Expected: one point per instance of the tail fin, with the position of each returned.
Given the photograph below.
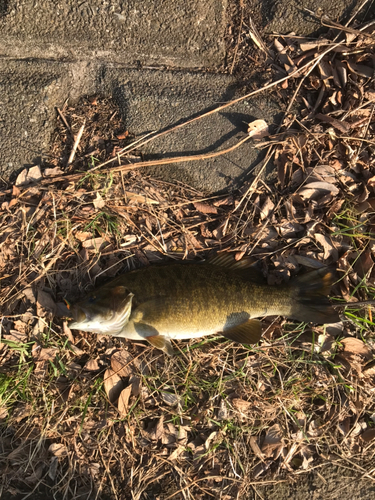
(311, 303)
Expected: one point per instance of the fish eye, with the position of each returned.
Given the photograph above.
(92, 299)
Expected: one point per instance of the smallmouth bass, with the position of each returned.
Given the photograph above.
(189, 300)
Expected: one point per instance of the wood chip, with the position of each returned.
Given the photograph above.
(258, 129)
(205, 208)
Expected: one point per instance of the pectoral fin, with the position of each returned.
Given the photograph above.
(246, 333)
(161, 342)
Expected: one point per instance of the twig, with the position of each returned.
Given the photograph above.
(64, 119)
(76, 142)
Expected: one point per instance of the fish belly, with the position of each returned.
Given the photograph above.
(139, 331)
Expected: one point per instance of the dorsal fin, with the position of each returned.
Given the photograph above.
(245, 267)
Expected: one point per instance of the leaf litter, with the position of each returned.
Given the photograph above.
(100, 414)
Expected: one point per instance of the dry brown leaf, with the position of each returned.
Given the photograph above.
(361, 69)
(3, 413)
(136, 385)
(41, 368)
(58, 450)
(44, 354)
(177, 452)
(258, 129)
(158, 431)
(122, 135)
(170, 398)
(355, 347)
(123, 401)
(329, 249)
(266, 208)
(99, 202)
(205, 208)
(113, 385)
(17, 337)
(368, 435)
(241, 405)
(51, 172)
(82, 235)
(122, 363)
(45, 303)
(95, 243)
(317, 189)
(68, 332)
(272, 444)
(254, 446)
(364, 264)
(92, 365)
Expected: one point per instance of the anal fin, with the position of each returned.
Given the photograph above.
(161, 342)
(246, 333)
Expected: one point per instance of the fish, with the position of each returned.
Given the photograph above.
(181, 300)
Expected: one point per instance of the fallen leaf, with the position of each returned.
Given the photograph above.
(258, 129)
(113, 385)
(95, 243)
(58, 450)
(99, 202)
(170, 398)
(341, 126)
(241, 405)
(67, 331)
(254, 446)
(136, 385)
(122, 135)
(313, 190)
(41, 368)
(361, 69)
(205, 208)
(122, 363)
(52, 172)
(266, 208)
(368, 435)
(92, 365)
(17, 337)
(326, 242)
(364, 263)
(45, 303)
(272, 443)
(44, 354)
(123, 401)
(355, 347)
(158, 431)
